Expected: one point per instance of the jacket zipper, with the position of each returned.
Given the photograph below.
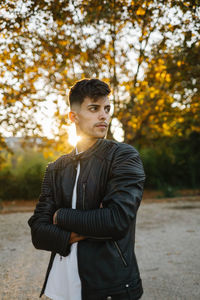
(120, 254)
(84, 186)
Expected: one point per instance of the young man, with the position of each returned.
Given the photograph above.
(86, 213)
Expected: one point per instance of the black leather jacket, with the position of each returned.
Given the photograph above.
(111, 175)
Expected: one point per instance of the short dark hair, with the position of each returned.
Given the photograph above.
(92, 88)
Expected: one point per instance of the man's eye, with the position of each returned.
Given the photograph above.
(93, 108)
(107, 109)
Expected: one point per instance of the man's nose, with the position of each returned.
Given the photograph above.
(102, 115)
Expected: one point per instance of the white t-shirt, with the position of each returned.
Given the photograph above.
(64, 281)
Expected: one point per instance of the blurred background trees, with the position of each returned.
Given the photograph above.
(148, 51)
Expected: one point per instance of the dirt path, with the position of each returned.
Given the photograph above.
(167, 248)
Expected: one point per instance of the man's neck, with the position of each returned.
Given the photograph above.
(85, 143)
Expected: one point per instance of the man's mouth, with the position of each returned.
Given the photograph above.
(102, 125)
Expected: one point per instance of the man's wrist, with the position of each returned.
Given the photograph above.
(55, 218)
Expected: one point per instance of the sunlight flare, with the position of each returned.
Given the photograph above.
(73, 138)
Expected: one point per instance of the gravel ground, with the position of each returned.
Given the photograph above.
(167, 248)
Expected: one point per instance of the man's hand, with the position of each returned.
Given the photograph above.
(54, 218)
(75, 237)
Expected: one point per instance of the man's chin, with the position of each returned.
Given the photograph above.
(99, 136)
(95, 136)
(102, 135)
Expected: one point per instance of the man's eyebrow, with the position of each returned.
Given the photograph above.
(94, 104)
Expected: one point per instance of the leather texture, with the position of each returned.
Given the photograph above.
(111, 177)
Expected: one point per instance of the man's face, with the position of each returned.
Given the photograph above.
(92, 117)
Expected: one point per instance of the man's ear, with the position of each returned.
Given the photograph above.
(73, 116)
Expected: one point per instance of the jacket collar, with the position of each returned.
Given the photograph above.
(74, 156)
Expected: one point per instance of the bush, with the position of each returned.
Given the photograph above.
(173, 163)
(22, 176)
(169, 164)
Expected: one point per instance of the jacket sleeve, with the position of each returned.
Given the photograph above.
(120, 203)
(46, 235)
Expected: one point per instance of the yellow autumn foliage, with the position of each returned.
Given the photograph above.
(141, 11)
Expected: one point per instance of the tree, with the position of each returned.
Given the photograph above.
(47, 45)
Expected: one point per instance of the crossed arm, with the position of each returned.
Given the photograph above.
(74, 237)
(55, 230)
